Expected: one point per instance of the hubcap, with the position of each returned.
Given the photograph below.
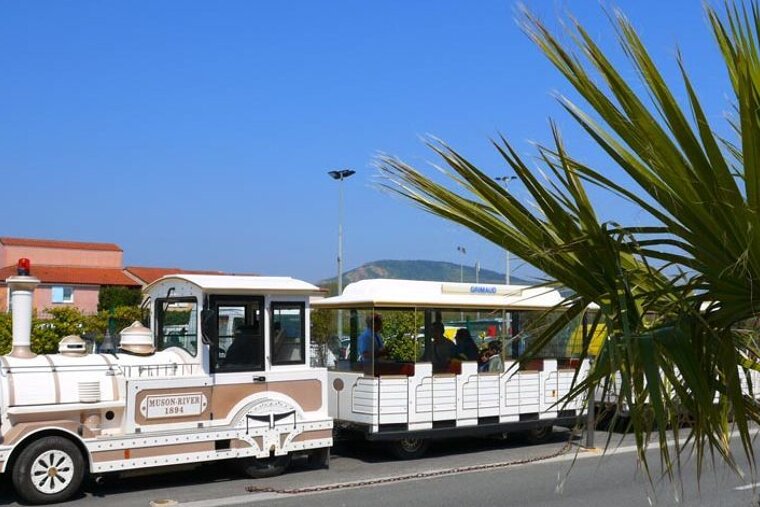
(410, 444)
(52, 471)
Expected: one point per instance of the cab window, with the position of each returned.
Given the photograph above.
(239, 340)
(288, 342)
(177, 324)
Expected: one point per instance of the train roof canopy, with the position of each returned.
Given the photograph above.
(239, 284)
(382, 293)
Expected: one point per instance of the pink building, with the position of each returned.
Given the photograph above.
(71, 272)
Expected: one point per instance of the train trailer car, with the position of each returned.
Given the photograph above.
(405, 387)
(223, 374)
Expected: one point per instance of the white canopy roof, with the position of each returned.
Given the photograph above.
(381, 293)
(240, 283)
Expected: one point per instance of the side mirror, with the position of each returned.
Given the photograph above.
(208, 325)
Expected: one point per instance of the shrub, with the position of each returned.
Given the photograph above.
(403, 348)
(63, 321)
(6, 333)
(112, 297)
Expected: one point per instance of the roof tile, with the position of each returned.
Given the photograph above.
(74, 275)
(51, 243)
(151, 274)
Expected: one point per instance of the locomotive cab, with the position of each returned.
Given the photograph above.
(223, 372)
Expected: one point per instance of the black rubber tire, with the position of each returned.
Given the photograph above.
(37, 453)
(409, 448)
(261, 468)
(320, 458)
(539, 435)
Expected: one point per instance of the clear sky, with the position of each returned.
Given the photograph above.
(199, 134)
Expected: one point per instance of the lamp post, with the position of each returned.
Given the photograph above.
(340, 176)
(505, 181)
(463, 251)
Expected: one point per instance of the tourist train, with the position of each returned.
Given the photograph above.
(225, 373)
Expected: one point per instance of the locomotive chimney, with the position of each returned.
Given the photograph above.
(21, 288)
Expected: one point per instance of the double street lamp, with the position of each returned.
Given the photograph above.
(340, 176)
(461, 250)
(504, 180)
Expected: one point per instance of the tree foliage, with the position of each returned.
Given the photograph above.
(702, 193)
(322, 322)
(110, 297)
(400, 329)
(67, 320)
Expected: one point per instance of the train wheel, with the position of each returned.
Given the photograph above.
(410, 448)
(539, 435)
(49, 470)
(261, 468)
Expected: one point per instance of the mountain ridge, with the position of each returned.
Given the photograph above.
(437, 271)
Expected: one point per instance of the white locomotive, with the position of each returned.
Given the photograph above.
(224, 374)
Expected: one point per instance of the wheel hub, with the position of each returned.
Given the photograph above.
(52, 472)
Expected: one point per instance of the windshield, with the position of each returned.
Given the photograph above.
(177, 324)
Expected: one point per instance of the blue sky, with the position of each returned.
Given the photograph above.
(199, 134)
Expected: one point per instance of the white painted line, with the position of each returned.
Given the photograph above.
(747, 486)
(235, 500)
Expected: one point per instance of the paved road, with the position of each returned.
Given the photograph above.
(593, 480)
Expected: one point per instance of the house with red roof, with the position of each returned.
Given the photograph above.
(72, 272)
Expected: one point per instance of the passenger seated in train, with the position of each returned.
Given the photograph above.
(443, 348)
(466, 350)
(243, 349)
(494, 362)
(372, 334)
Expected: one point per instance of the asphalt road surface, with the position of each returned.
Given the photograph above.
(463, 472)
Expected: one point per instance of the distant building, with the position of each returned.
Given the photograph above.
(71, 272)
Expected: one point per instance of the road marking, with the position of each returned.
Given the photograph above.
(747, 486)
(235, 500)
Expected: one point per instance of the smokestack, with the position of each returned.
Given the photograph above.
(22, 292)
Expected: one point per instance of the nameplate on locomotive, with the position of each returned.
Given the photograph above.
(173, 405)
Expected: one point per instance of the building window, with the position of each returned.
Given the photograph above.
(63, 295)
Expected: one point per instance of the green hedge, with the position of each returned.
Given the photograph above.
(63, 321)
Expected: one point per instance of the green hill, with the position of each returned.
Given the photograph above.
(420, 270)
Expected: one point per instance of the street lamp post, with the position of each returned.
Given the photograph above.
(505, 181)
(463, 251)
(340, 176)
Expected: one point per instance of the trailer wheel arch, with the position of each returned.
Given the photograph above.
(48, 432)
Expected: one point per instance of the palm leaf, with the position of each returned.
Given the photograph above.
(702, 193)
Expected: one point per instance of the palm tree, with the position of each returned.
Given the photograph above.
(702, 193)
